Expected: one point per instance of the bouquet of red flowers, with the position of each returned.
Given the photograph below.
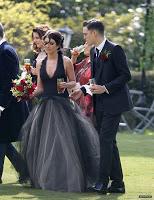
(23, 88)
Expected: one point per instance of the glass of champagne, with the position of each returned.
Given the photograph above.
(80, 48)
(92, 81)
(60, 90)
(27, 64)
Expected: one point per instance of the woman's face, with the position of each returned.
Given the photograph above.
(50, 45)
(37, 40)
(87, 49)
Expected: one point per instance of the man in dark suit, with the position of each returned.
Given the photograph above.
(111, 98)
(14, 113)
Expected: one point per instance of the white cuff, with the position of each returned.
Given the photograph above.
(1, 108)
(87, 89)
(106, 90)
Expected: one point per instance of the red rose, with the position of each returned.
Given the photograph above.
(20, 88)
(23, 82)
(30, 90)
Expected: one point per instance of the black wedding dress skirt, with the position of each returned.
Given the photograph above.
(60, 146)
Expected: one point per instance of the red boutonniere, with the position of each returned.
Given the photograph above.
(105, 55)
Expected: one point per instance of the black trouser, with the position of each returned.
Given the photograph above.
(110, 165)
(7, 149)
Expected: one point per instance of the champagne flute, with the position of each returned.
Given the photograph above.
(92, 81)
(60, 90)
(80, 48)
(27, 64)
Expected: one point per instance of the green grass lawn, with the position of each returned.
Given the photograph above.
(137, 155)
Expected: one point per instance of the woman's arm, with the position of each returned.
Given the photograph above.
(69, 73)
(39, 88)
(74, 56)
(38, 62)
(35, 71)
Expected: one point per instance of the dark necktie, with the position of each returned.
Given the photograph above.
(96, 55)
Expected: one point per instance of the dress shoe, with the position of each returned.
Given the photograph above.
(100, 188)
(117, 188)
(0, 181)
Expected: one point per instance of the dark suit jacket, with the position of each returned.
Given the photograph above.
(114, 74)
(15, 112)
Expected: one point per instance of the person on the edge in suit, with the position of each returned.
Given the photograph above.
(15, 113)
(111, 98)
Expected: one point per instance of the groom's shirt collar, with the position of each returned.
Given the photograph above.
(2, 41)
(101, 45)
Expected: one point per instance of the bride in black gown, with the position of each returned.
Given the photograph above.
(60, 146)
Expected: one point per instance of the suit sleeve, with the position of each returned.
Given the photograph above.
(123, 73)
(12, 63)
(10, 71)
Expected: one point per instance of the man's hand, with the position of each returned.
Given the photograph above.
(76, 94)
(98, 89)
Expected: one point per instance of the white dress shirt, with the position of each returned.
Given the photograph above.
(101, 45)
(2, 41)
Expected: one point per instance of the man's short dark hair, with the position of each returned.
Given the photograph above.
(86, 22)
(97, 25)
(1, 31)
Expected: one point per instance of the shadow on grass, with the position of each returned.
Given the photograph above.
(18, 192)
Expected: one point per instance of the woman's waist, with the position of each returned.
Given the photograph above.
(47, 94)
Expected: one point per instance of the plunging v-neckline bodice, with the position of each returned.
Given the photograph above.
(50, 83)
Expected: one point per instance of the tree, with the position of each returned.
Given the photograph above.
(87, 9)
(149, 41)
(19, 19)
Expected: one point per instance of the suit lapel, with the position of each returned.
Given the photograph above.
(101, 62)
(92, 54)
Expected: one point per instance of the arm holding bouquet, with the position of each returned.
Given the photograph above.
(39, 87)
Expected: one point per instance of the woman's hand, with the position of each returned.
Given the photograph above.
(62, 85)
(75, 52)
(27, 69)
(69, 85)
(77, 94)
(34, 71)
(74, 55)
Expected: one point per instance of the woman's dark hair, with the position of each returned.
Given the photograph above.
(41, 31)
(95, 24)
(56, 36)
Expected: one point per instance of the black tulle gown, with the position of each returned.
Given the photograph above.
(60, 146)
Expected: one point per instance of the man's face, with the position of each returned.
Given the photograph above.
(88, 36)
(85, 32)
